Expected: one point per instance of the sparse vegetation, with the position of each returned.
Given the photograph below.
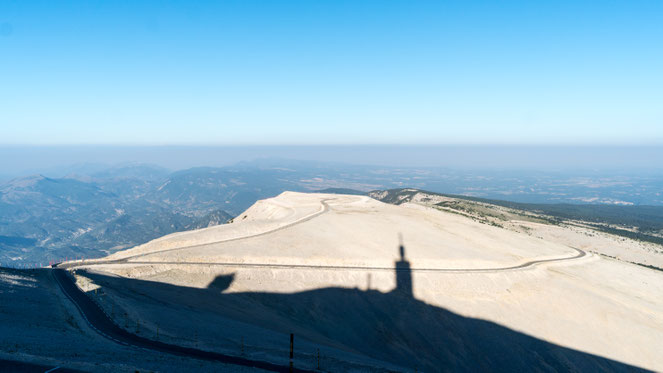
(640, 223)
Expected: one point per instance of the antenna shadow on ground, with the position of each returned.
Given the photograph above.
(390, 326)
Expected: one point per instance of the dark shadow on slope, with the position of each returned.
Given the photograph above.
(221, 283)
(392, 326)
(15, 366)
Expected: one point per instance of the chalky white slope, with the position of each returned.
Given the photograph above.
(296, 242)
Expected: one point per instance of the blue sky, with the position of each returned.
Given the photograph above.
(331, 72)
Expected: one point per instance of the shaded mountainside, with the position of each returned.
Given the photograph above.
(391, 326)
(41, 330)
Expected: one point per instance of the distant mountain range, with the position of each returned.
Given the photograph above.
(95, 210)
(44, 219)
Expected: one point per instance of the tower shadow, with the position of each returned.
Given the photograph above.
(394, 327)
(403, 272)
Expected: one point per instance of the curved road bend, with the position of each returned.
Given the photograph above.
(531, 263)
(325, 208)
(100, 322)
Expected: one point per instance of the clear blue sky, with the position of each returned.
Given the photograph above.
(331, 72)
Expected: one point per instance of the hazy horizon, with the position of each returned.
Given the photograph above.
(23, 160)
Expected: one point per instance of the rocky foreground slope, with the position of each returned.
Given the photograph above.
(377, 286)
(40, 330)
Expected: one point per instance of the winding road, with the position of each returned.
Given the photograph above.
(324, 208)
(104, 325)
(579, 254)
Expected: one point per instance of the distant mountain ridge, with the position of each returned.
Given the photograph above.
(45, 219)
(96, 209)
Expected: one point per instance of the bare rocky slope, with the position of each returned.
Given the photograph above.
(377, 286)
(612, 231)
